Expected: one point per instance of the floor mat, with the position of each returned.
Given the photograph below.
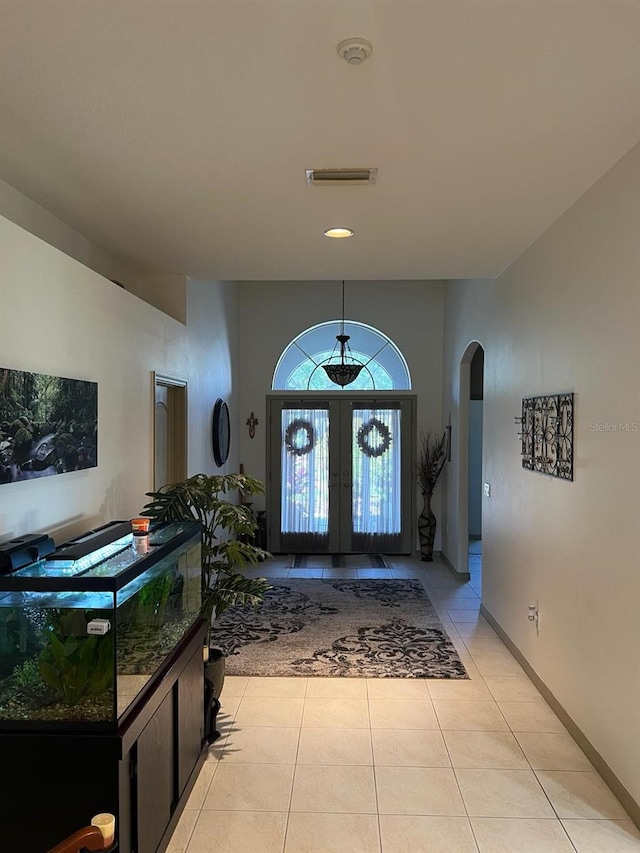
(338, 561)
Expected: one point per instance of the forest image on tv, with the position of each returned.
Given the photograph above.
(48, 425)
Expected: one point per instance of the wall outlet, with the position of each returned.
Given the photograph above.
(534, 616)
(487, 490)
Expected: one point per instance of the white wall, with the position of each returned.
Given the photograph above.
(566, 317)
(24, 212)
(60, 318)
(214, 368)
(163, 290)
(273, 313)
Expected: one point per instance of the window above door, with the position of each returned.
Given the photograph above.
(299, 366)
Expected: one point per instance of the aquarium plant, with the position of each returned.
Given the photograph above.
(74, 664)
(27, 678)
(152, 600)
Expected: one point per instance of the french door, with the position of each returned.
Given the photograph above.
(341, 474)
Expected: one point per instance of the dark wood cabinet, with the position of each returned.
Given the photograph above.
(143, 772)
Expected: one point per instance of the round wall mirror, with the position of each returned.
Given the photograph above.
(221, 430)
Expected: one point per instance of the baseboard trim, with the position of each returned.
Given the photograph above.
(461, 576)
(625, 798)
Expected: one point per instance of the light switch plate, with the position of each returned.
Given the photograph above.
(487, 490)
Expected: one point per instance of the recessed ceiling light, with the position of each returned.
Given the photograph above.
(338, 233)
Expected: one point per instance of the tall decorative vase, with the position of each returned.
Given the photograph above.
(427, 529)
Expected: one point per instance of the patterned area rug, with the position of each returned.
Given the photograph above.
(333, 627)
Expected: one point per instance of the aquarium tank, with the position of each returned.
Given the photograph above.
(83, 630)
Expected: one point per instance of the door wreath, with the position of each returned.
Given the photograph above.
(291, 433)
(384, 435)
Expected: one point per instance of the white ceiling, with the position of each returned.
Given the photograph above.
(176, 133)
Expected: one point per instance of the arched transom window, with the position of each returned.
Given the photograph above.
(300, 365)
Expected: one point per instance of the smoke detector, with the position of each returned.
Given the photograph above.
(355, 51)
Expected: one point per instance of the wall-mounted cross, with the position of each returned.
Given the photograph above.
(252, 423)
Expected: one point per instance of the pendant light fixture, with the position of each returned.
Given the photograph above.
(345, 369)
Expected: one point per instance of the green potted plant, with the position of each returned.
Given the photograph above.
(227, 533)
(433, 455)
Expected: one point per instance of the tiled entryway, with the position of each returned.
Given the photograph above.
(322, 765)
(475, 566)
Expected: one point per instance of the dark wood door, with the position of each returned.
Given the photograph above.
(190, 718)
(155, 777)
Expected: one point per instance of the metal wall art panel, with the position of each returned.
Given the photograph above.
(547, 435)
(48, 425)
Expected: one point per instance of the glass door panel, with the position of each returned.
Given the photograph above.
(304, 477)
(376, 485)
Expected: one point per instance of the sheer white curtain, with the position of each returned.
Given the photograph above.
(305, 479)
(376, 485)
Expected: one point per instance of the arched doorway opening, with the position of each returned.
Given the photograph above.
(470, 480)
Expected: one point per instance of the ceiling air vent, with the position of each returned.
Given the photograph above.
(340, 177)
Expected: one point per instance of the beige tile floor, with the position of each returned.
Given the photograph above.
(410, 766)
